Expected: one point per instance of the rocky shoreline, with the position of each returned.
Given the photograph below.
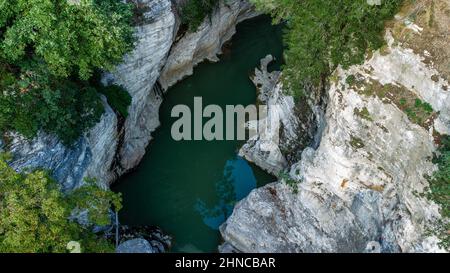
(354, 156)
(358, 191)
(160, 59)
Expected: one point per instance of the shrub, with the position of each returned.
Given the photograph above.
(118, 98)
(34, 214)
(324, 34)
(193, 12)
(36, 100)
(439, 191)
(288, 180)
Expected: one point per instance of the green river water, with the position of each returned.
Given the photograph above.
(188, 188)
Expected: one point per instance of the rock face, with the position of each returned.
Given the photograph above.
(135, 246)
(91, 156)
(143, 239)
(114, 146)
(278, 129)
(192, 48)
(357, 192)
(138, 74)
(104, 153)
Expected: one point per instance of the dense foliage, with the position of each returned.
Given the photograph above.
(323, 34)
(91, 196)
(117, 97)
(70, 36)
(439, 191)
(48, 51)
(34, 99)
(34, 213)
(193, 12)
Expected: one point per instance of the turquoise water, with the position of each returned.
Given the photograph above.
(189, 188)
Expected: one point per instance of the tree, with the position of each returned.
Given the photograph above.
(48, 51)
(36, 100)
(193, 12)
(34, 214)
(70, 36)
(439, 192)
(324, 34)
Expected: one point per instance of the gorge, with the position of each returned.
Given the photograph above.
(353, 157)
(188, 188)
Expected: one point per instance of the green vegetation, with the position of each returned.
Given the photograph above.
(193, 12)
(288, 180)
(118, 98)
(69, 37)
(356, 142)
(48, 52)
(418, 111)
(324, 34)
(35, 100)
(92, 196)
(363, 113)
(439, 191)
(351, 79)
(34, 213)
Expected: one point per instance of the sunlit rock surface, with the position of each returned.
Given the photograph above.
(279, 127)
(138, 74)
(90, 156)
(206, 42)
(357, 192)
(114, 146)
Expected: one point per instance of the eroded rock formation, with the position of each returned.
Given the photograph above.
(115, 146)
(357, 192)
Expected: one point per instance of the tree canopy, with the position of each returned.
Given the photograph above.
(70, 36)
(194, 12)
(34, 213)
(322, 34)
(49, 49)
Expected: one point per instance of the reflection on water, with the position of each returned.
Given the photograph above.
(237, 182)
(182, 186)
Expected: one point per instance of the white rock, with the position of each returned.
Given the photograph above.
(354, 196)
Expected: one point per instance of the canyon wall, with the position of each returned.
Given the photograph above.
(354, 190)
(116, 145)
(359, 191)
(191, 48)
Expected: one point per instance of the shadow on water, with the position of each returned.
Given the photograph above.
(237, 182)
(189, 188)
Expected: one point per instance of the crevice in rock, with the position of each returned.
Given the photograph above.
(116, 168)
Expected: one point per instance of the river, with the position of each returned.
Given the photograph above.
(188, 188)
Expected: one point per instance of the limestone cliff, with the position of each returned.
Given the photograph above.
(138, 74)
(278, 129)
(191, 48)
(115, 146)
(90, 156)
(357, 192)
